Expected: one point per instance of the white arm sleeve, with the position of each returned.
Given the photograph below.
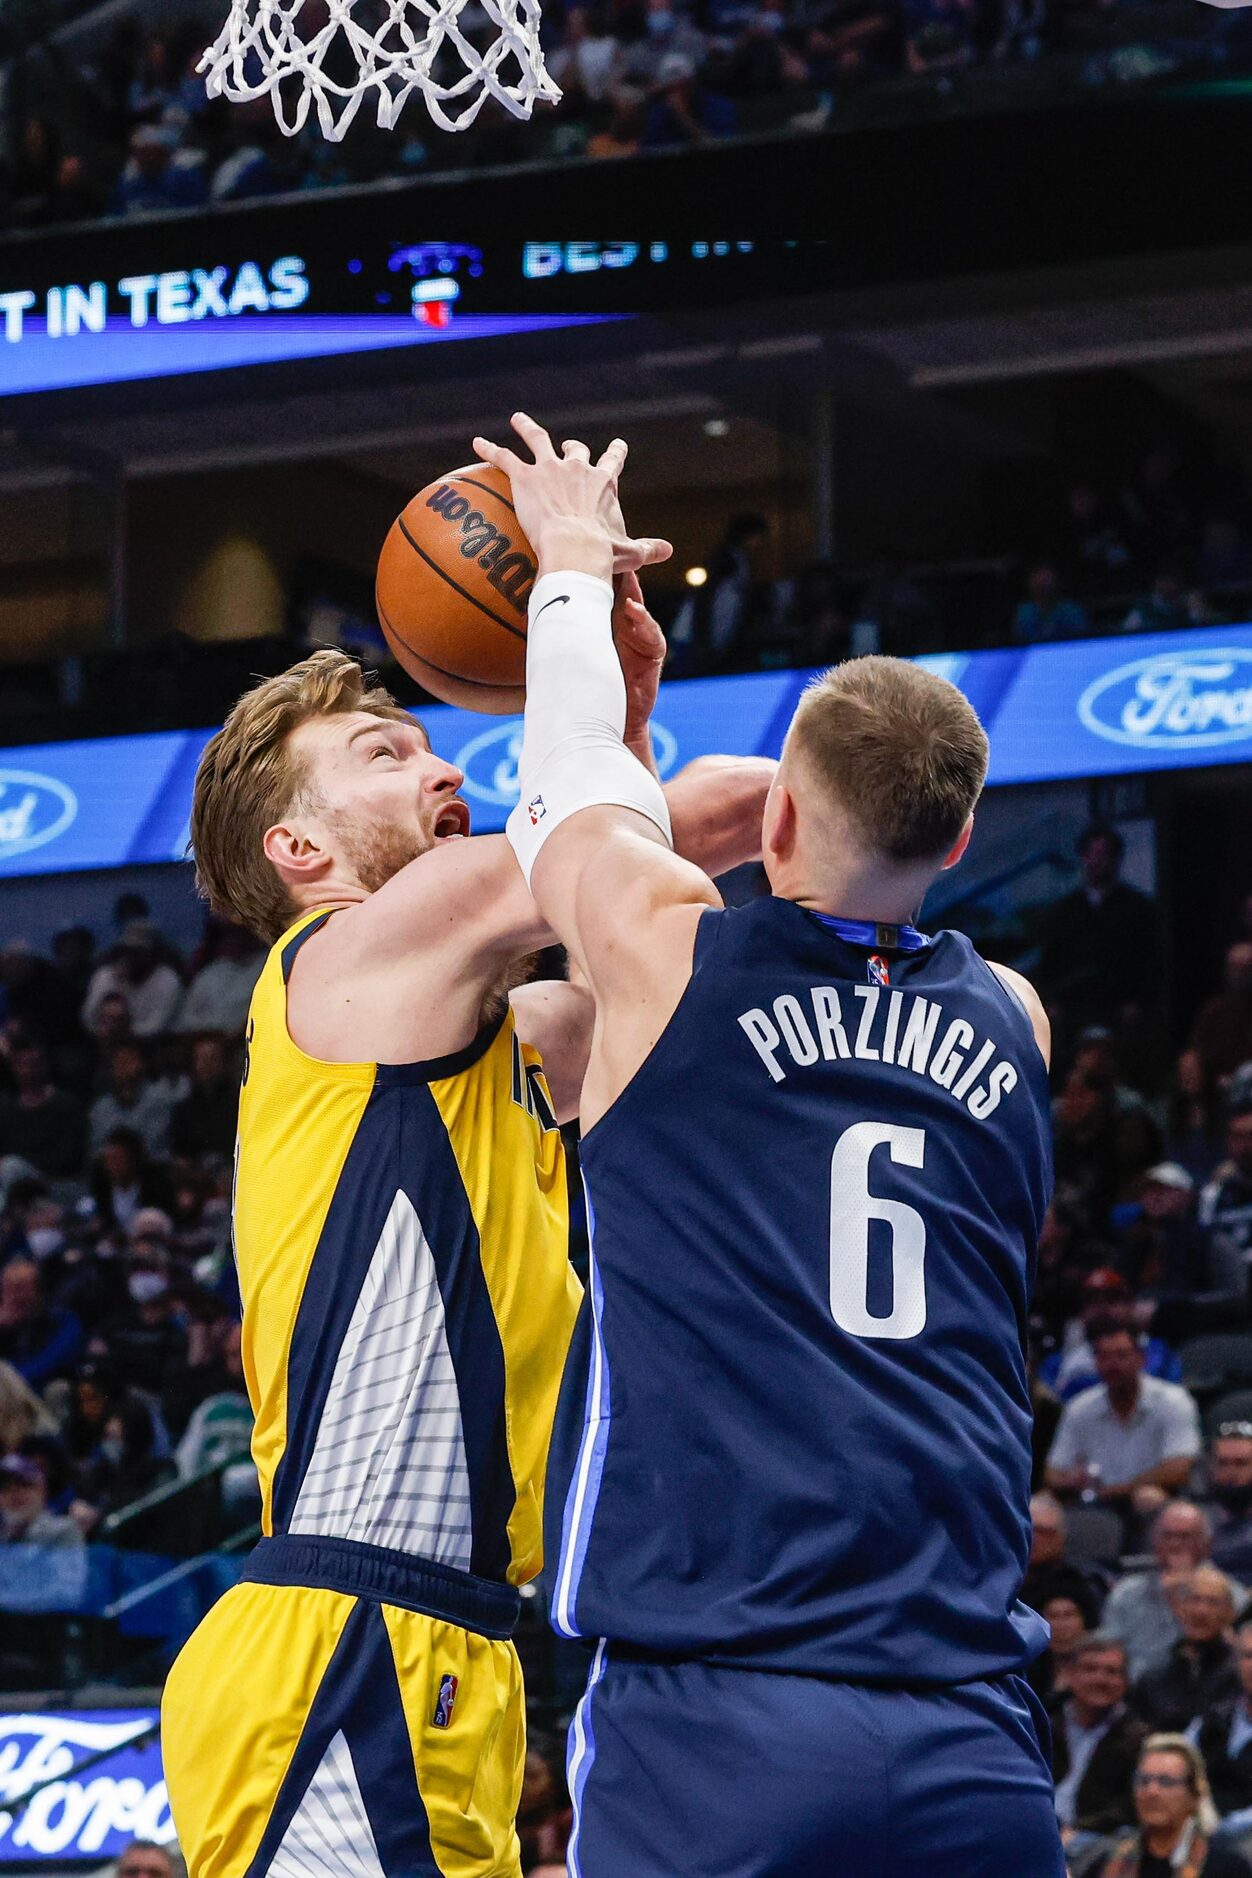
(573, 756)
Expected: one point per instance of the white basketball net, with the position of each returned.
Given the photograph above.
(396, 45)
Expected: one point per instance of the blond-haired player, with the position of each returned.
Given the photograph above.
(354, 1706)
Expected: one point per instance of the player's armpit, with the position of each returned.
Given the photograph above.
(557, 1020)
(1033, 1003)
(716, 807)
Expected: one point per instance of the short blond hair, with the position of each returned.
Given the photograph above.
(899, 750)
(249, 778)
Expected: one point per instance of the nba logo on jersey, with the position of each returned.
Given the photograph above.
(443, 1707)
(878, 968)
(536, 809)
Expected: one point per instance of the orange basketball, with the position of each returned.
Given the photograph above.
(454, 577)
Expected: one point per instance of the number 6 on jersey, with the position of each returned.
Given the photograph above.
(852, 1207)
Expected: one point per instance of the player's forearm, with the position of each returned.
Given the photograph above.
(573, 757)
(716, 805)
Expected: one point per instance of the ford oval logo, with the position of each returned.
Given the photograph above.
(490, 761)
(34, 809)
(1174, 701)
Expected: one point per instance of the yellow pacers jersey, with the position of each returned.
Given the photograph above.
(401, 1233)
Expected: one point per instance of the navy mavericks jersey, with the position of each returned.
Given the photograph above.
(794, 1429)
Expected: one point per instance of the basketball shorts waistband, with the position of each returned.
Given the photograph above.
(382, 1576)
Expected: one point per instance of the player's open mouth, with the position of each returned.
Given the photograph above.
(452, 821)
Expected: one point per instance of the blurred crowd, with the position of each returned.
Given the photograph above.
(120, 1362)
(126, 128)
(1163, 546)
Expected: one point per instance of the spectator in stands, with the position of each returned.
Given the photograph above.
(1228, 1501)
(1195, 1118)
(1095, 1740)
(124, 1466)
(73, 953)
(1069, 1621)
(1105, 1298)
(144, 1859)
(22, 1414)
(147, 1340)
(124, 1180)
(707, 626)
(543, 1820)
(1224, 1738)
(1221, 1036)
(1192, 1280)
(111, 1023)
(1100, 550)
(39, 1122)
(1068, 1254)
(42, 1343)
(618, 127)
(160, 175)
(151, 987)
(1045, 613)
(206, 1119)
(221, 989)
(1226, 1203)
(683, 109)
(1164, 608)
(31, 178)
(667, 32)
(1132, 1432)
(32, 995)
(1198, 1670)
(132, 1102)
(939, 35)
(220, 1428)
(587, 64)
(1175, 1820)
(1142, 1607)
(24, 1515)
(1049, 1573)
(1099, 956)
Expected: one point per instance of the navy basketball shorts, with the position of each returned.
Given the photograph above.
(685, 1770)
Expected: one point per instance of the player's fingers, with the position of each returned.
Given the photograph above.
(613, 462)
(644, 552)
(535, 435)
(572, 448)
(498, 456)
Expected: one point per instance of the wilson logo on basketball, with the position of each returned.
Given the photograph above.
(508, 569)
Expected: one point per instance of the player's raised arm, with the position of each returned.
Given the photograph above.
(592, 830)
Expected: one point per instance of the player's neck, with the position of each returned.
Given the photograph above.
(855, 893)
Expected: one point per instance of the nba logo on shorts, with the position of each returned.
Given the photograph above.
(536, 809)
(878, 968)
(443, 1707)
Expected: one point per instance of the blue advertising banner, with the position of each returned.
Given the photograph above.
(100, 1784)
(1095, 707)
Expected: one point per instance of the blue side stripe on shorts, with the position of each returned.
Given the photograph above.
(584, 1487)
(582, 1753)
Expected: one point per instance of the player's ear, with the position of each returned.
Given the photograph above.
(960, 844)
(294, 852)
(778, 828)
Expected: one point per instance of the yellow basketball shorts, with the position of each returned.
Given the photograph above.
(314, 1731)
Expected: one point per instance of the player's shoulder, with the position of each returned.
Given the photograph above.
(1028, 1001)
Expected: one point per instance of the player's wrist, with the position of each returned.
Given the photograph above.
(568, 547)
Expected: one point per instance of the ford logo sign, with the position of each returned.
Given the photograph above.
(489, 761)
(92, 1784)
(1174, 701)
(33, 809)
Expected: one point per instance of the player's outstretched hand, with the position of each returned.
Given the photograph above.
(568, 506)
